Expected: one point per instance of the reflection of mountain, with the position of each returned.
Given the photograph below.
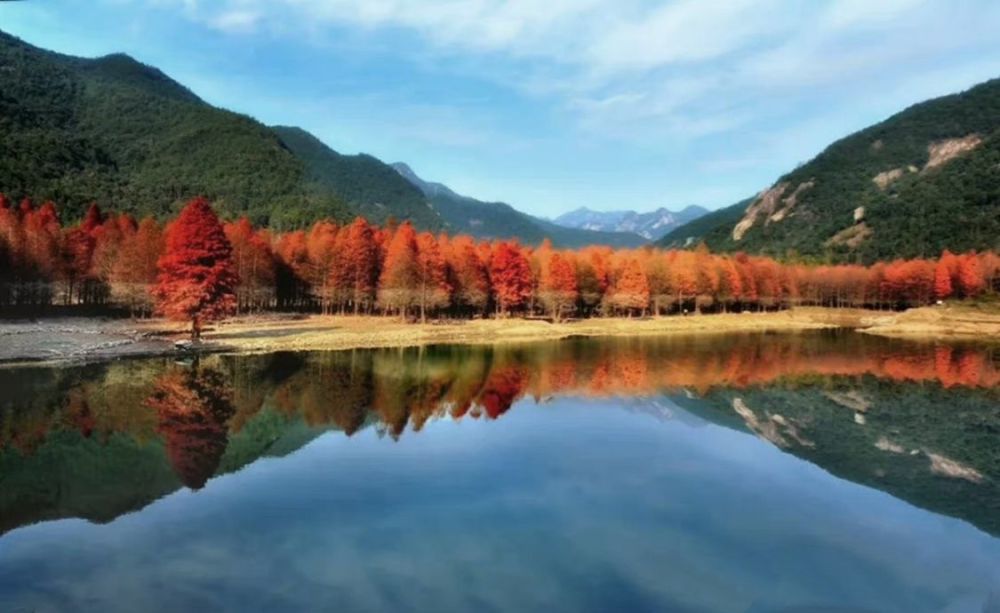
(96, 441)
(933, 447)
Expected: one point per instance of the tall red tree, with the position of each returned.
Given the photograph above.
(357, 274)
(254, 264)
(631, 291)
(558, 287)
(292, 270)
(401, 275)
(433, 290)
(510, 273)
(321, 245)
(136, 268)
(943, 273)
(970, 275)
(468, 275)
(197, 280)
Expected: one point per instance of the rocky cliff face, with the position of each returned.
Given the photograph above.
(923, 180)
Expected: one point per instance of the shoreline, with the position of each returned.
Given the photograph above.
(81, 339)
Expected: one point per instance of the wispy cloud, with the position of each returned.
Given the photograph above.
(618, 64)
(236, 20)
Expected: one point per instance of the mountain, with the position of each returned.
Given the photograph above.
(124, 134)
(652, 225)
(705, 228)
(365, 183)
(925, 179)
(894, 449)
(488, 220)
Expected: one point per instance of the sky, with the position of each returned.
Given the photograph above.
(551, 105)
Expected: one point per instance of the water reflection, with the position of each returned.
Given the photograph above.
(917, 421)
(193, 407)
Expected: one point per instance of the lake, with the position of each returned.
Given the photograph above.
(827, 471)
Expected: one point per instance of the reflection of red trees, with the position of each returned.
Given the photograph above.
(503, 386)
(78, 414)
(404, 390)
(193, 407)
(636, 370)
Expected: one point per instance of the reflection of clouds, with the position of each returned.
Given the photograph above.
(614, 512)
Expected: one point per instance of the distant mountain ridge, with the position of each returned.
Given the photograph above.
(498, 220)
(652, 225)
(923, 180)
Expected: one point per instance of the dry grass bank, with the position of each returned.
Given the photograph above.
(948, 321)
(336, 332)
(93, 338)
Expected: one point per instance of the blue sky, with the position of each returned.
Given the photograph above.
(552, 104)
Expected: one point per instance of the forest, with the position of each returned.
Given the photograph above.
(198, 267)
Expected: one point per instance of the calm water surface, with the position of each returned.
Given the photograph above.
(764, 473)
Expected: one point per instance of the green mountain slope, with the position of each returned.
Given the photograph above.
(121, 133)
(488, 220)
(367, 184)
(925, 179)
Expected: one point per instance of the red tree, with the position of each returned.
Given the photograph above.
(321, 246)
(358, 271)
(510, 274)
(197, 281)
(684, 276)
(970, 276)
(631, 292)
(254, 263)
(468, 275)
(136, 268)
(730, 283)
(292, 270)
(942, 276)
(558, 287)
(433, 290)
(400, 276)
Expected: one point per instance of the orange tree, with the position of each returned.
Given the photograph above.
(197, 280)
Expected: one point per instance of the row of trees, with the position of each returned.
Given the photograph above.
(197, 269)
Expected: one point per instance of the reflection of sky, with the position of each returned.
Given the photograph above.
(563, 506)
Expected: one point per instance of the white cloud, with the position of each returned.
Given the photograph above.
(647, 69)
(236, 21)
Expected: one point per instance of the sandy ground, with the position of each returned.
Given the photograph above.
(68, 338)
(940, 322)
(88, 338)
